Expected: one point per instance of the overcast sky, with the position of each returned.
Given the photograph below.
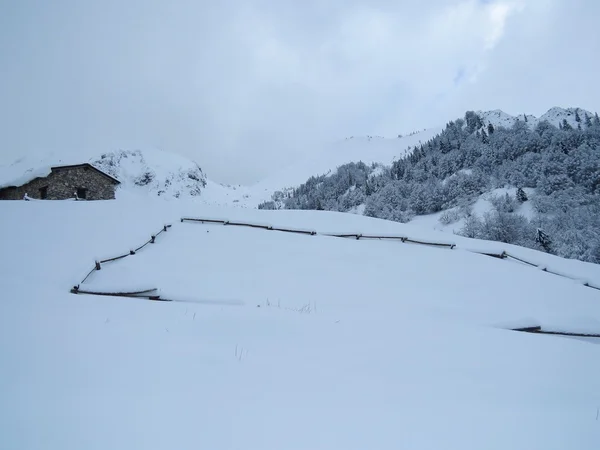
(246, 86)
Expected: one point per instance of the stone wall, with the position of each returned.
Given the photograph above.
(63, 183)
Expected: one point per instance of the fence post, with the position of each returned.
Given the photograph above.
(98, 267)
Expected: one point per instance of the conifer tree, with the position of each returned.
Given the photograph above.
(484, 137)
(543, 239)
(490, 128)
(521, 195)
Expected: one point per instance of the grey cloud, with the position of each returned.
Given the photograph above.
(248, 86)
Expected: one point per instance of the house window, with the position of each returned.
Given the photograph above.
(44, 192)
(82, 193)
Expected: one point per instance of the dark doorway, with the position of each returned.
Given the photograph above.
(44, 192)
(82, 193)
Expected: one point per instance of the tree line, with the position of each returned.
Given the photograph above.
(560, 166)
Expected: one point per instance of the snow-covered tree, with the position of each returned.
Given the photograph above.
(543, 239)
(521, 195)
(561, 166)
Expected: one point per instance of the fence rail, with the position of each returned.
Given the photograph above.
(193, 219)
(433, 244)
(98, 264)
(147, 296)
(404, 239)
(520, 260)
(538, 330)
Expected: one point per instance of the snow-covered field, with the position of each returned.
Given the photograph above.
(284, 341)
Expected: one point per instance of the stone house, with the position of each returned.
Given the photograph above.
(80, 181)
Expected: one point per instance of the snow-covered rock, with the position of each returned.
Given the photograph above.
(155, 172)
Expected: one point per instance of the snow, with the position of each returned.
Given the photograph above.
(37, 164)
(173, 175)
(479, 207)
(355, 149)
(156, 172)
(369, 150)
(153, 172)
(360, 209)
(14, 176)
(554, 116)
(282, 340)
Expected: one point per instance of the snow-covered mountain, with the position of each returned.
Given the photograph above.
(164, 174)
(368, 149)
(168, 175)
(154, 172)
(554, 116)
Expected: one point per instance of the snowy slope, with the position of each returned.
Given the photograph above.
(366, 149)
(159, 173)
(481, 206)
(286, 341)
(554, 116)
(382, 150)
(25, 169)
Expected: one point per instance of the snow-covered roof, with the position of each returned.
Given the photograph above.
(10, 178)
(25, 170)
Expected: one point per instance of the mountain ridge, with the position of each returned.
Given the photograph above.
(166, 174)
(555, 116)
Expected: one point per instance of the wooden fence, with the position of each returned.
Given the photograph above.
(403, 239)
(538, 330)
(151, 293)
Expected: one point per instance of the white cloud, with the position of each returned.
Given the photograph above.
(498, 15)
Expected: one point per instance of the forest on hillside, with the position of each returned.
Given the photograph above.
(449, 172)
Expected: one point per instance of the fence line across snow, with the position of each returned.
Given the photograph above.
(98, 264)
(403, 239)
(357, 236)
